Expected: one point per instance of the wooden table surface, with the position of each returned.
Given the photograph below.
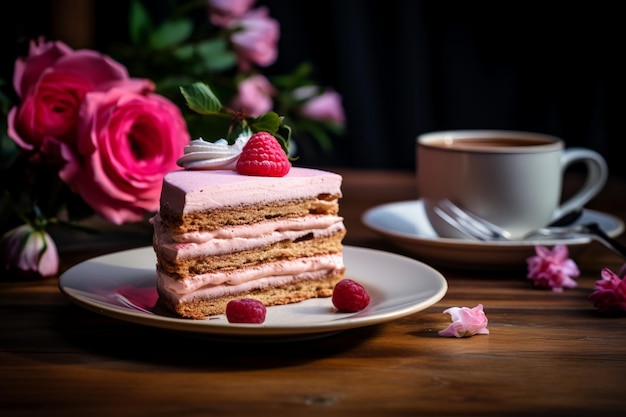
(547, 354)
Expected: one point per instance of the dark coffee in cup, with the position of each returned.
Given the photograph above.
(480, 143)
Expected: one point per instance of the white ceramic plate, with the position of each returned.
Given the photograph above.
(406, 224)
(123, 285)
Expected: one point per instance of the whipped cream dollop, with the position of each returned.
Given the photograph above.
(200, 154)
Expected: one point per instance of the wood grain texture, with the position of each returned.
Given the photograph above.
(547, 354)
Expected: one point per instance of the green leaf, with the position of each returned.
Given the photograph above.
(268, 122)
(200, 98)
(215, 55)
(170, 33)
(301, 76)
(208, 47)
(273, 123)
(139, 22)
(322, 138)
(170, 85)
(184, 53)
(284, 136)
(234, 130)
(317, 132)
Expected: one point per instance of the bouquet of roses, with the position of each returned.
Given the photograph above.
(84, 128)
(85, 137)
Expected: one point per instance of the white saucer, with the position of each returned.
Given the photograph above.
(122, 285)
(406, 224)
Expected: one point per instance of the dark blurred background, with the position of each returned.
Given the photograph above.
(405, 67)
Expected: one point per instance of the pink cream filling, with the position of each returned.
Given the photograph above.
(239, 238)
(214, 285)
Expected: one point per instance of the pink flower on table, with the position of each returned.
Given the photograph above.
(223, 12)
(255, 38)
(128, 139)
(466, 322)
(52, 82)
(30, 251)
(609, 294)
(254, 96)
(552, 268)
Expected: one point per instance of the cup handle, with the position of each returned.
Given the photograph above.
(597, 174)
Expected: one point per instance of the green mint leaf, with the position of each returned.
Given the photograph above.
(201, 99)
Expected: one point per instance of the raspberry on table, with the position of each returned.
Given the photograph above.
(349, 296)
(263, 156)
(245, 310)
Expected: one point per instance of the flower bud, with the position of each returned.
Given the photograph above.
(29, 251)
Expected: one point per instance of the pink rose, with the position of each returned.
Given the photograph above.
(52, 82)
(254, 96)
(128, 138)
(466, 322)
(223, 12)
(325, 107)
(609, 294)
(255, 39)
(29, 251)
(552, 268)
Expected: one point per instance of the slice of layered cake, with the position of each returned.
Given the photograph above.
(220, 235)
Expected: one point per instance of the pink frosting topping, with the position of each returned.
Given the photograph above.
(187, 191)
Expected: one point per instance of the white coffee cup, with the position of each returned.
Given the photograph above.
(512, 179)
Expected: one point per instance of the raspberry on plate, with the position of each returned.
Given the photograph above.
(349, 296)
(263, 156)
(245, 310)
